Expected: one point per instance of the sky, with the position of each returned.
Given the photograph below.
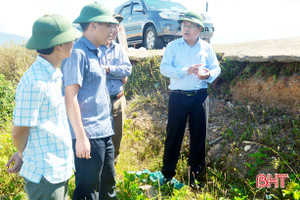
(234, 20)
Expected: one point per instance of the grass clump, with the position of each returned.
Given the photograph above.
(15, 60)
(7, 92)
(12, 186)
(146, 78)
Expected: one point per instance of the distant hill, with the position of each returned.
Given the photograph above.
(6, 38)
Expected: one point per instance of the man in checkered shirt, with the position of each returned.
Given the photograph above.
(41, 133)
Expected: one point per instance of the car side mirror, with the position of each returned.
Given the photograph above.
(139, 9)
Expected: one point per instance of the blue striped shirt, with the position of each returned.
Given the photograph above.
(40, 106)
(178, 56)
(119, 66)
(84, 68)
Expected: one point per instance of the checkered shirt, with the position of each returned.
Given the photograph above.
(40, 106)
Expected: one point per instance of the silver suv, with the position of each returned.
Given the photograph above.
(153, 23)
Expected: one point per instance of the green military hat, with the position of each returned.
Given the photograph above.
(49, 31)
(192, 17)
(96, 12)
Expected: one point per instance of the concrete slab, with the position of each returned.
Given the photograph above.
(279, 50)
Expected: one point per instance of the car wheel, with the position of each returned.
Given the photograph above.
(151, 40)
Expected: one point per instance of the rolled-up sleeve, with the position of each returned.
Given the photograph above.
(121, 69)
(73, 68)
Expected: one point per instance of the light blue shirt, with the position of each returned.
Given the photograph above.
(119, 65)
(179, 56)
(84, 68)
(41, 106)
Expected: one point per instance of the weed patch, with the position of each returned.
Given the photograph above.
(15, 60)
(7, 93)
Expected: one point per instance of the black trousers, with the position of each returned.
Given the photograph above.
(95, 177)
(183, 108)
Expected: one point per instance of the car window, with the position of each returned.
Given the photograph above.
(126, 11)
(164, 5)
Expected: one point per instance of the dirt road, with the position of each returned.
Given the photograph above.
(279, 50)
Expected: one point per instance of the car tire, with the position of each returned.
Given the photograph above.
(151, 40)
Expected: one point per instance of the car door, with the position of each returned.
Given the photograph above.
(136, 20)
(126, 13)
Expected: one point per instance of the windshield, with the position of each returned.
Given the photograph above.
(164, 5)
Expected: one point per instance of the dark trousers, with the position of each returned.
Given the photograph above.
(183, 108)
(97, 174)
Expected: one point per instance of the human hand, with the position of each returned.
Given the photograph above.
(193, 69)
(17, 163)
(203, 74)
(124, 80)
(83, 148)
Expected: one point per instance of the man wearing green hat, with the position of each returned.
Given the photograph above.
(88, 106)
(41, 133)
(191, 64)
(113, 56)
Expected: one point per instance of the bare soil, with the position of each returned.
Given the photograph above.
(283, 93)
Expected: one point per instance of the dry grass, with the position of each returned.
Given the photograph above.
(15, 60)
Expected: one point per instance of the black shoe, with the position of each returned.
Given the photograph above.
(166, 180)
(169, 181)
(196, 177)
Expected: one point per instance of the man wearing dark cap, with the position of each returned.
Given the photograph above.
(113, 57)
(191, 64)
(88, 106)
(41, 133)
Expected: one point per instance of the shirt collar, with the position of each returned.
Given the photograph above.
(88, 43)
(112, 45)
(53, 73)
(183, 41)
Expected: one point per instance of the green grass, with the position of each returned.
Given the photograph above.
(11, 185)
(7, 92)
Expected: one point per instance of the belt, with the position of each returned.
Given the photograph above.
(189, 93)
(114, 97)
